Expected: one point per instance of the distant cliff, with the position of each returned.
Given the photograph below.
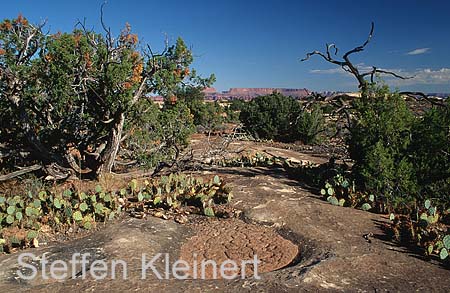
(250, 93)
(212, 94)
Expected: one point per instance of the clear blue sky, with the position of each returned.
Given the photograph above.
(248, 43)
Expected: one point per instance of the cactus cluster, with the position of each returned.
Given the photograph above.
(177, 190)
(59, 210)
(70, 208)
(253, 160)
(262, 160)
(341, 191)
(424, 229)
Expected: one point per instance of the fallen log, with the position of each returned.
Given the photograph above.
(20, 172)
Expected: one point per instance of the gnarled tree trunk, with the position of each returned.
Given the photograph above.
(112, 146)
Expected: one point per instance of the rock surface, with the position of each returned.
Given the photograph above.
(334, 255)
(237, 241)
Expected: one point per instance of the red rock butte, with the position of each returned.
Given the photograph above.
(250, 93)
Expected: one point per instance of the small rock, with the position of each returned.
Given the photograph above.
(161, 215)
(181, 219)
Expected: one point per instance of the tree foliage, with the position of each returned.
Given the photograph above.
(66, 97)
(157, 135)
(207, 116)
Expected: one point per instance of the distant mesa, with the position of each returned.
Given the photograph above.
(209, 90)
(250, 93)
(211, 94)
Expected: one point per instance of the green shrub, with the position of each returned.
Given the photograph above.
(403, 158)
(281, 118)
(207, 116)
(310, 124)
(379, 143)
(270, 117)
(430, 149)
(233, 110)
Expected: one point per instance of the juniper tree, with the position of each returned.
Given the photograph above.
(65, 97)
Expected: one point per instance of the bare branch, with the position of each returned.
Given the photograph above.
(360, 48)
(329, 46)
(74, 165)
(349, 67)
(108, 121)
(308, 55)
(20, 172)
(376, 70)
(394, 74)
(105, 28)
(56, 172)
(132, 162)
(415, 95)
(140, 91)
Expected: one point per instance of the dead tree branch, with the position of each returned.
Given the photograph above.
(348, 66)
(417, 95)
(22, 171)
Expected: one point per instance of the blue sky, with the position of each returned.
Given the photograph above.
(259, 43)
